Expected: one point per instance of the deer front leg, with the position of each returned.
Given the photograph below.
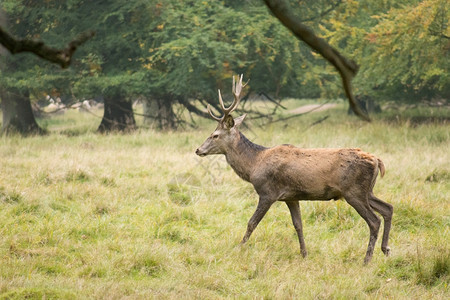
(294, 208)
(263, 207)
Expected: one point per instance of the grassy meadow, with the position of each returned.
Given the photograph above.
(140, 216)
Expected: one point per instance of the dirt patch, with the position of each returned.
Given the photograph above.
(312, 108)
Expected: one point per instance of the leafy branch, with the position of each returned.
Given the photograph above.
(324, 13)
(63, 57)
(346, 68)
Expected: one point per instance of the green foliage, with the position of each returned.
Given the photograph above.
(182, 51)
(105, 65)
(175, 50)
(192, 49)
(402, 47)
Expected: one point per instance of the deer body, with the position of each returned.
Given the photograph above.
(287, 173)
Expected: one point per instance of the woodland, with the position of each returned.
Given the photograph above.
(171, 53)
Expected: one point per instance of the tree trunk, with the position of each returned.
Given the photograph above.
(367, 104)
(166, 115)
(150, 109)
(16, 107)
(17, 114)
(159, 112)
(118, 115)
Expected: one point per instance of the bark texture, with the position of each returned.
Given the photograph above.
(159, 113)
(63, 57)
(17, 114)
(118, 115)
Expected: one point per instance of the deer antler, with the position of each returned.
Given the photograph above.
(236, 89)
(218, 119)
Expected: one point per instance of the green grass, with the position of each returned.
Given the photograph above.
(140, 216)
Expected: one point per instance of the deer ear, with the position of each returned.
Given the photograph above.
(228, 122)
(238, 121)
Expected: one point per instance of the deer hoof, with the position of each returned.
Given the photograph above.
(386, 251)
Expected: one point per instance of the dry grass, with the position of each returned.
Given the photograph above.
(140, 216)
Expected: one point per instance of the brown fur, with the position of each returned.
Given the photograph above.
(310, 174)
(287, 173)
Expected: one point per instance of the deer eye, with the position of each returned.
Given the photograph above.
(215, 136)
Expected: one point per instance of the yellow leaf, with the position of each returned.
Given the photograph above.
(196, 22)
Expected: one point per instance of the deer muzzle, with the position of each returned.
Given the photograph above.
(200, 152)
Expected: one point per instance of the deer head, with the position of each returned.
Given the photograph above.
(227, 131)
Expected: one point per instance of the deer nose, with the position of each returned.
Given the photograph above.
(199, 153)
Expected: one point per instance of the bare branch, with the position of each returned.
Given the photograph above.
(346, 68)
(62, 57)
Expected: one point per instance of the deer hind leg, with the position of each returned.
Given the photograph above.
(294, 208)
(385, 210)
(361, 204)
(261, 210)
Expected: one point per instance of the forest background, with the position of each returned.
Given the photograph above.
(167, 53)
(135, 214)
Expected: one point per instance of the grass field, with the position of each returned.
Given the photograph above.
(140, 216)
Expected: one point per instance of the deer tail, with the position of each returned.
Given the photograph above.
(381, 167)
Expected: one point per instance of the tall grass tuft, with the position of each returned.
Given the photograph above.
(436, 270)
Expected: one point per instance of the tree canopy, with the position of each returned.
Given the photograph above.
(403, 47)
(180, 51)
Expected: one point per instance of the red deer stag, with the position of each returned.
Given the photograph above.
(287, 173)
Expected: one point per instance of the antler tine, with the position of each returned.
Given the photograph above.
(229, 109)
(221, 101)
(212, 115)
(237, 88)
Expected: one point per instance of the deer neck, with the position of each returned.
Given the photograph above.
(243, 155)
